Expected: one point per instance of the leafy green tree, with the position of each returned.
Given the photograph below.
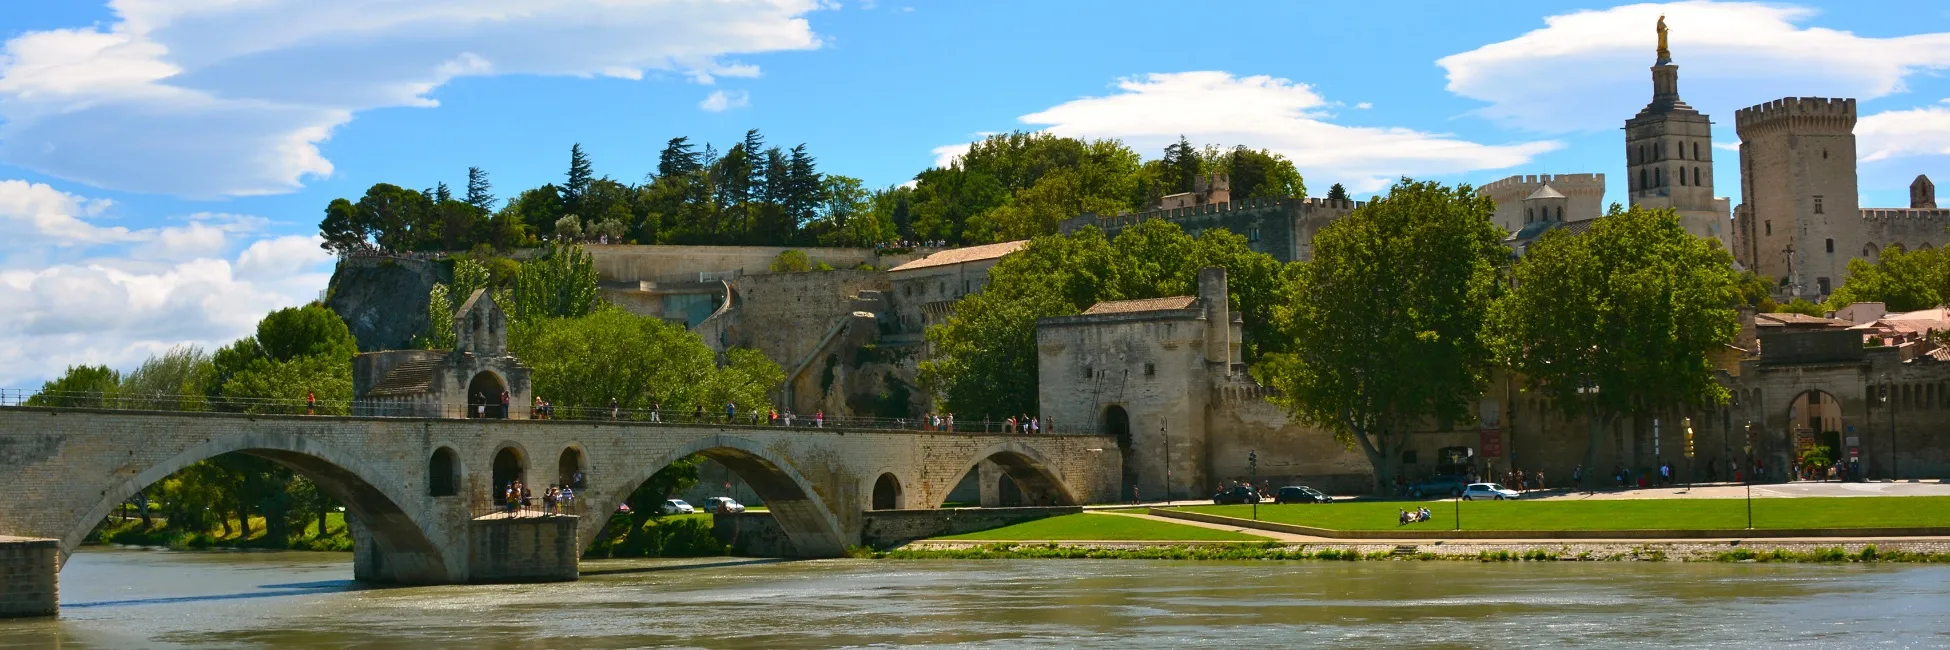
(1754, 291)
(1801, 306)
(678, 158)
(1387, 320)
(311, 330)
(1901, 281)
(80, 387)
(1180, 166)
(1619, 320)
(1262, 174)
(173, 380)
(1019, 185)
(848, 216)
(344, 228)
(558, 283)
(1337, 193)
(792, 261)
(587, 361)
(537, 209)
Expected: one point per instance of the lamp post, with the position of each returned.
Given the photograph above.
(1163, 438)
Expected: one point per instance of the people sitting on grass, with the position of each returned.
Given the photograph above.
(1418, 516)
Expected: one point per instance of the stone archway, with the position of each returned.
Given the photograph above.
(1815, 424)
(510, 465)
(1027, 471)
(391, 545)
(484, 396)
(887, 492)
(1117, 422)
(811, 526)
(572, 469)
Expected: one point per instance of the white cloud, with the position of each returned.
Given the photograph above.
(1921, 131)
(229, 97)
(947, 154)
(720, 101)
(1152, 111)
(1576, 72)
(75, 292)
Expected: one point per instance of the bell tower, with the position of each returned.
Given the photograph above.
(1669, 154)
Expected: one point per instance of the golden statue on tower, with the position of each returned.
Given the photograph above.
(1665, 56)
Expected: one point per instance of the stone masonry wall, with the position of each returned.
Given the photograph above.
(28, 586)
(524, 549)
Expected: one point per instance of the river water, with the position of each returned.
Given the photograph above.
(114, 598)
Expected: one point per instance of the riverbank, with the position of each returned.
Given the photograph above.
(131, 532)
(1933, 551)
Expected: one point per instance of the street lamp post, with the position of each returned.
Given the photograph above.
(1166, 440)
(1895, 461)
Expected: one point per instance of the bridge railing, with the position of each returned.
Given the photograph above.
(151, 402)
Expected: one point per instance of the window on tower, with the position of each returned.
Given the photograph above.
(1682, 151)
(1658, 177)
(1696, 180)
(1642, 184)
(1770, 227)
(1831, 245)
(1696, 151)
(1817, 204)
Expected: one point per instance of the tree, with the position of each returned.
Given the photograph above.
(569, 228)
(1619, 320)
(296, 351)
(850, 215)
(480, 193)
(80, 387)
(581, 172)
(1387, 320)
(791, 261)
(444, 299)
(558, 283)
(310, 330)
(677, 159)
(538, 209)
(171, 381)
(344, 228)
(1180, 166)
(1901, 281)
(1262, 174)
(1337, 193)
(588, 360)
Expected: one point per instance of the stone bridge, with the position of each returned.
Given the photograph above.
(414, 485)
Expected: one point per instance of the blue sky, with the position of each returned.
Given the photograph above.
(163, 163)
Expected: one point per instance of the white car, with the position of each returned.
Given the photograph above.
(722, 504)
(676, 507)
(1489, 491)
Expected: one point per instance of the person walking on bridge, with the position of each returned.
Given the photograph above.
(311, 403)
(730, 412)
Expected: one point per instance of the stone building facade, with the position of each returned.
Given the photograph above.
(466, 382)
(1801, 220)
(1584, 198)
(1669, 156)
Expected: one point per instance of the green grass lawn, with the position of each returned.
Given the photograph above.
(1104, 528)
(1645, 514)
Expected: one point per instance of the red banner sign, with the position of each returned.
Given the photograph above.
(1492, 446)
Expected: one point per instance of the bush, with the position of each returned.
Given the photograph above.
(793, 261)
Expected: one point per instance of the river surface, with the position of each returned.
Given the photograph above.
(114, 598)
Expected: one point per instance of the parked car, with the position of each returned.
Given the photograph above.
(1444, 485)
(1300, 494)
(676, 507)
(1489, 491)
(1236, 494)
(722, 504)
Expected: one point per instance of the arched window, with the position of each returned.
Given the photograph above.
(1529, 215)
(1682, 175)
(1560, 213)
(1682, 151)
(1696, 155)
(1641, 160)
(1658, 177)
(1642, 183)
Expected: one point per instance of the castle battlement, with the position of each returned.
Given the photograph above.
(1803, 114)
(1567, 183)
(1921, 215)
(1242, 205)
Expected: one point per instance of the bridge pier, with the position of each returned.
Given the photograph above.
(28, 586)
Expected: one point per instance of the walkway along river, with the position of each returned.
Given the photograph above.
(147, 598)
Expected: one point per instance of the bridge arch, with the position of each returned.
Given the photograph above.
(401, 549)
(445, 473)
(800, 511)
(484, 395)
(573, 462)
(1027, 469)
(887, 491)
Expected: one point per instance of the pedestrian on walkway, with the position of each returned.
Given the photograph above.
(505, 399)
(819, 419)
(656, 412)
(614, 409)
(730, 411)
(311, 403)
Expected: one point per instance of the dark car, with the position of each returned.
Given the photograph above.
(1444, 485)
(1300, 494)
(1236, 494)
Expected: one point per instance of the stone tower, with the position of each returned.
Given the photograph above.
(1669, 154)
(1800, 220)
(1544, 205)
(1922, 193)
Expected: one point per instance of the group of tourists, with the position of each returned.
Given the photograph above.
(1025, 423)
(1414, 516)
(784, 418)
(517, 498)
(480, 405)
(543, 409)
(938, 422)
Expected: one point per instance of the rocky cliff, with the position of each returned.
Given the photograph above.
(384, 300)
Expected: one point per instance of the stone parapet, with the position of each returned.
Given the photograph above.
(1798, 114)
